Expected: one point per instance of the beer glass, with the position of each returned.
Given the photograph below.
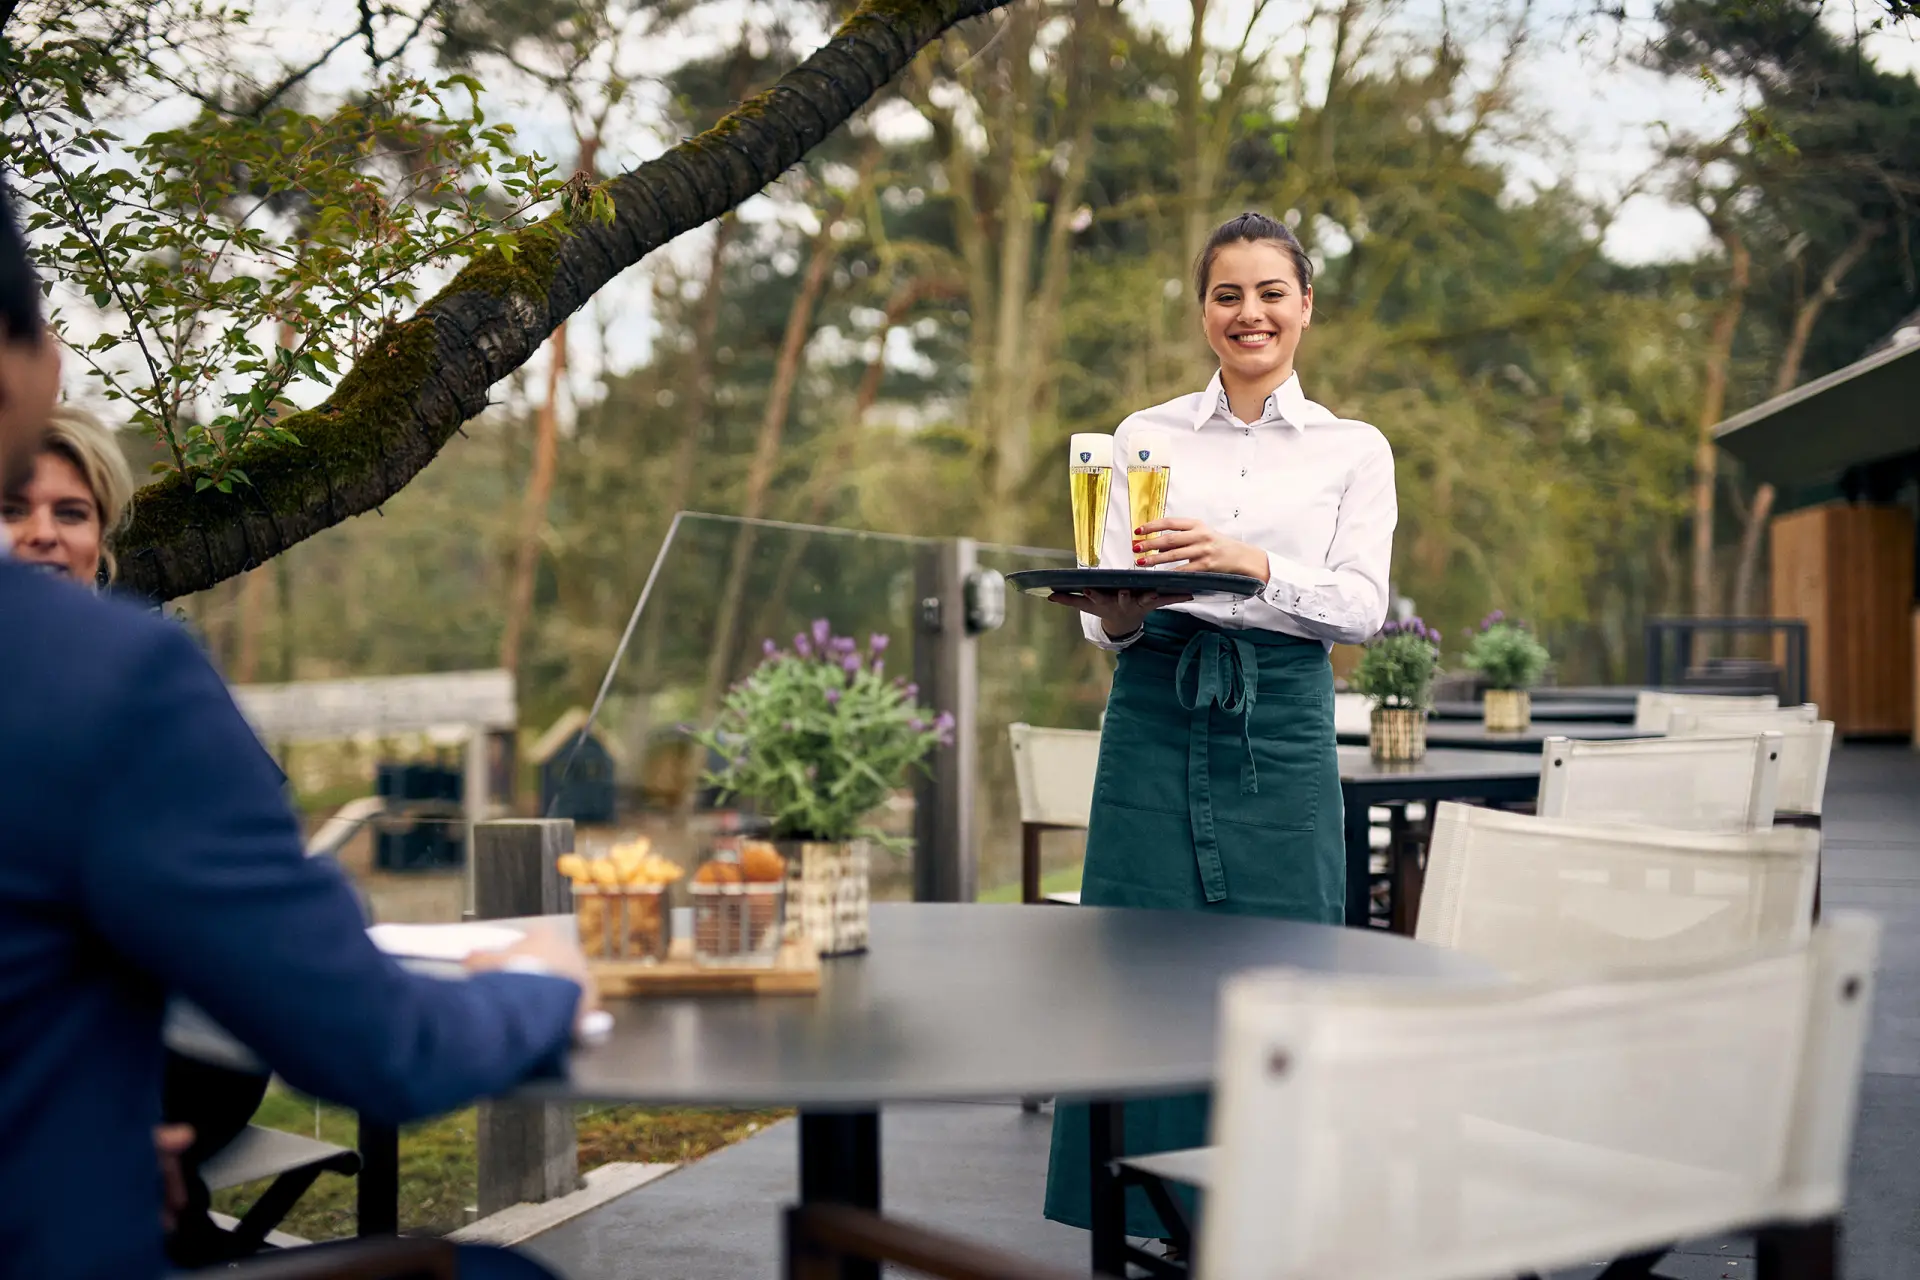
(1148, 474)
(1090, 474)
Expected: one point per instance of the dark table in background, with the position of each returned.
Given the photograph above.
(970, 1001)
(1606, 710)
(1493, 777)
(1472, 735)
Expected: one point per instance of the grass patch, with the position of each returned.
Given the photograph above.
(438, 1176)
(1066, 880)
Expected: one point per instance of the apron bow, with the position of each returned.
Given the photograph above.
(1215, 670)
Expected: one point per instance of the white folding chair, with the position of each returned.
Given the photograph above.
(1352, 713)
(1806, 746)
(1364, 1129)
(1053, 772)
(1545, 897)
(1651, 708)
(1721, 783)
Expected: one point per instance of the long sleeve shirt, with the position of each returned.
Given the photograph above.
(1313, 491)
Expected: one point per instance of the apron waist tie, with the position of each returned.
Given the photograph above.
(1215, 670)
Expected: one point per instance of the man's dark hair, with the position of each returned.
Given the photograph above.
(1250, 226)
(20, 319)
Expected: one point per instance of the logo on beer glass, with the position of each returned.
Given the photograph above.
(1087, 456)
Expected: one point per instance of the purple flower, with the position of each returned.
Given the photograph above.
(787, 725)
(879, 666)
(821, 630)
(943, 726)
(1434, 635)
(912, 691)
(842, 644)
(916, 724)
(850, 664)
(877, 642)
(769, 648)
(833, 697)
(801, 645)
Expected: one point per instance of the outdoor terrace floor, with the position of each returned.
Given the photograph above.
(980, 1170)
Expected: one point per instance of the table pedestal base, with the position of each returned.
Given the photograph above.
(840, 1164)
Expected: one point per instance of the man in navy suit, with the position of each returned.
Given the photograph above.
(146, 850)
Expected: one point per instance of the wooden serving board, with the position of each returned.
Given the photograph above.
(795, 972)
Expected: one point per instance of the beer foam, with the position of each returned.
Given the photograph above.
(1149, 447)
(1090, 449)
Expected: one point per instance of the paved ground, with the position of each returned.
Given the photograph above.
(980, 1169)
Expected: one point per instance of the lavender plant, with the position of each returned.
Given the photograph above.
(1506, 653)
(817, 737)
(1397, 668)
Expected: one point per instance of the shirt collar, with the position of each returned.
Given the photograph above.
(1286, 404)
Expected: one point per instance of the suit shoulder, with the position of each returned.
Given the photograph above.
(62, 633)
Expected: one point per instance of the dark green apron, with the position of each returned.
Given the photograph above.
(1218, 790)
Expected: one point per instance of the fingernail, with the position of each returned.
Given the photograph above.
(1137, 532)
(1139, 561)
(1139, 546)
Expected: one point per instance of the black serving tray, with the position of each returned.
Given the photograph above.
(1201, 586)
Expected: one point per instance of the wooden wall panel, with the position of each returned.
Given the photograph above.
(1848, 570)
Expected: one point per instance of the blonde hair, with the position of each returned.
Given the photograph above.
(85, 441)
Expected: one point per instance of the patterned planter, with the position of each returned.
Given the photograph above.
(827, 893)
(1508, 710)
(1398, 734)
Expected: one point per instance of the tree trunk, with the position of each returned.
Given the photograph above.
(773, 424)
(1785, 379)
(396, 408)
(1712, 407)
(546, 460)
(533, 510)
(827, 479)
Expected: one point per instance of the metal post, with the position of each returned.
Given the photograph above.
(945, 866)
(528, 1151)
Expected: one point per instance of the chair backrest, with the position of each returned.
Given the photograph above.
(1544, 897)
(1651, 707)
(1461, 1132)
(1721, 783)
(1806, 745)
(1352, 713)
(1053, 770)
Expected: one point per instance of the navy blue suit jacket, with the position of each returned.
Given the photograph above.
(146, 850)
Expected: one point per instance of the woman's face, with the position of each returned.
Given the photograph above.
(54, 521)
(1255, 311)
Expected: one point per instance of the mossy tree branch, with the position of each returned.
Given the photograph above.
(413, 389)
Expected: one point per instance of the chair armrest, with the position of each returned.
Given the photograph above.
(376, 1258)
(820, 1236)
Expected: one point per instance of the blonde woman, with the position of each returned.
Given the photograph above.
(65, 517)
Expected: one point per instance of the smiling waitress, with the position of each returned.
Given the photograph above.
(1218, 788)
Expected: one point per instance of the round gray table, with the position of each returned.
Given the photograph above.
(972, 1001)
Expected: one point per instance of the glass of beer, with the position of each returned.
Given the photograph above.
(1090, 473)
(1148, 473)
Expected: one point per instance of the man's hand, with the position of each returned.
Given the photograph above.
(1179, 538)
(558, 956)
(1120, 612)
(171, 1142)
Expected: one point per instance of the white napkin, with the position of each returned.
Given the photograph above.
(453, 942)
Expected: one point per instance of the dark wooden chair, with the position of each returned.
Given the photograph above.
(379, 1258)
(293, 1162)
(823, 1240)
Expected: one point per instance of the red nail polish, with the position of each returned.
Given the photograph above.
(1139, 562)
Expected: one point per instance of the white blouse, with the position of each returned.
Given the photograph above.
(1314, 491)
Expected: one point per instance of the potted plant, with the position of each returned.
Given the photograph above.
(1511, 661)
(816, 738)
(1396, 671)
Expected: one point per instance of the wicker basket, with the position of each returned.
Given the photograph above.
(624, 924)
(1507, 710)
(1398, 734)
(828, 893)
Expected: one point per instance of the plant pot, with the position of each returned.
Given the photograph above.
(1507, 710)
(1398, 734)
(827, 893)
